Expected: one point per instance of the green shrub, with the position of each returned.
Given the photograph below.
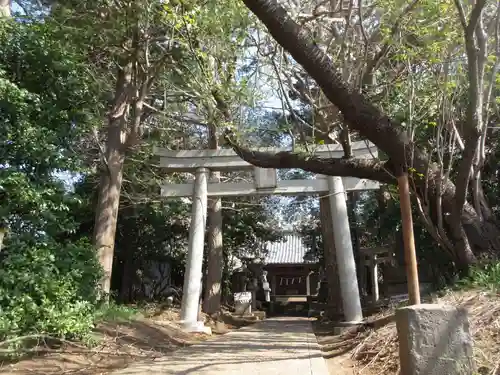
(48, 288)
(484, 276)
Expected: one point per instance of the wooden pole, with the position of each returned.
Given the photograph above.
(409, 240)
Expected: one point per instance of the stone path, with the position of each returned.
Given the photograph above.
(277, 346)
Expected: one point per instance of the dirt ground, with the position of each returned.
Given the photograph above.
(373, 350)
(337, 351)
(119, 344)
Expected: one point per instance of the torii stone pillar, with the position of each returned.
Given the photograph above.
(265, 184)
(194, 265)
(344, 251)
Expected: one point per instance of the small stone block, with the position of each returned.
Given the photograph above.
(434, 340)
(243, 309)
(243, 303)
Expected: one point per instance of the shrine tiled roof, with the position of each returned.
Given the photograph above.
(289, 250)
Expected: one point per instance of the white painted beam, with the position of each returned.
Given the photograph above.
(189, 164)
(286, 187)
(227, 159)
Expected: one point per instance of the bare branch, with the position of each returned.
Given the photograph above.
(475, 44)
(375, 62)
(357, 111)
(461, 13)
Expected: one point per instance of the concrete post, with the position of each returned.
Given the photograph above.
(344, 251)
(435, 340)
(194, 264)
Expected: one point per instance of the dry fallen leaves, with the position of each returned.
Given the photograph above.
(376, 351)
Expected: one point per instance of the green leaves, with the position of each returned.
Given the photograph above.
(47, 104)
(47, 288)
(484, 276)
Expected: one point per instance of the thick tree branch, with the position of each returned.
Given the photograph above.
(371, 169)
(371, 123)
(358, 112)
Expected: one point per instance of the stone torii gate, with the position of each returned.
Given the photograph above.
(200, 162)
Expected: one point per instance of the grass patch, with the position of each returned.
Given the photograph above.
(113, 312)
(484, 276)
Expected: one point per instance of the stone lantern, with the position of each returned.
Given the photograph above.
(265, 287)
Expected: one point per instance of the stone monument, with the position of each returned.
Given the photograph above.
(243, 303)
(252, 287)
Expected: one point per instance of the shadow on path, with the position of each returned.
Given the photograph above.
(275, 346)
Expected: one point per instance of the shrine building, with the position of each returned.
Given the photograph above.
(292, 271)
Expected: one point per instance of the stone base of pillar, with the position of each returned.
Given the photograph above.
(434, 340)
(195, 327)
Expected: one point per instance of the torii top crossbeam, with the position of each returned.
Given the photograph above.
(228, 160)
(266, 182)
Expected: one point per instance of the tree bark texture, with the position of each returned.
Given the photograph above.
(125, 119)
(111, 178)
(215, 259)
(465, 226)
(107, 212)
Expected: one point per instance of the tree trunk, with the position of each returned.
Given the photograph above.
(212, 300)
(371, 123)
(334, 301)
(215, 261)
(109, 201)
(5, 8)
